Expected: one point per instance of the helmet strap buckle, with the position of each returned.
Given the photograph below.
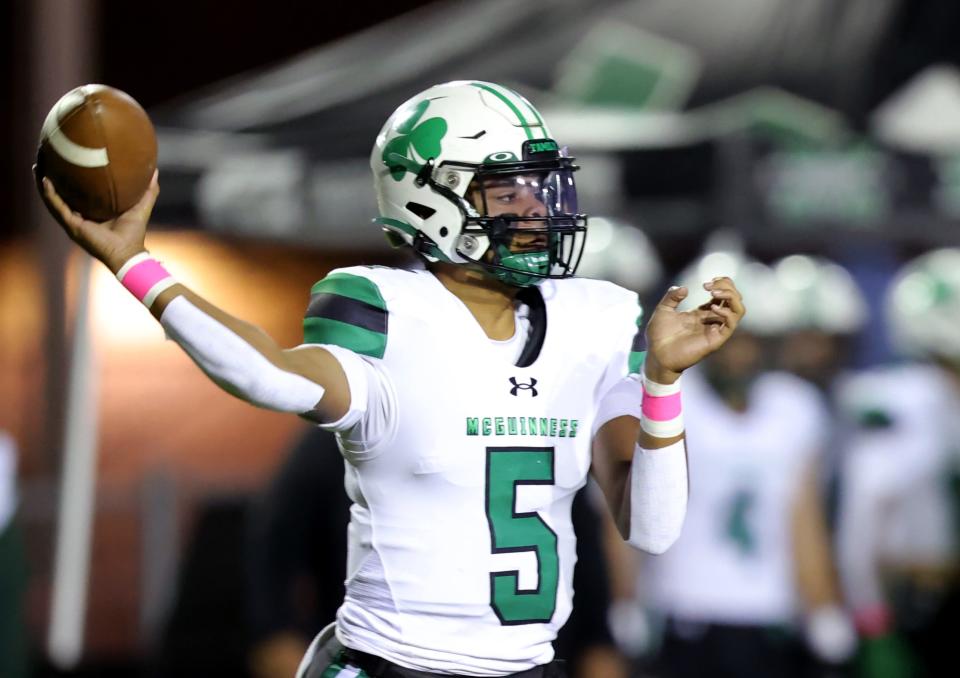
(423, 176)
(423, 244)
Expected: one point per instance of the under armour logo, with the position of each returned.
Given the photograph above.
(523, 387)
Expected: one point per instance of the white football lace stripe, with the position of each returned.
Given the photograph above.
(73, 153)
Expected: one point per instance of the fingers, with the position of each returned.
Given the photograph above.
(70, 220)
(729, 317)
(673, 297)
(718, 322)
(723, 290)
(728, 298)
(707, 314)
(725, 307)
(74, 220)
(144, 206)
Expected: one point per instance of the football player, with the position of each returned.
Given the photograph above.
(470, 399)
(898, 525)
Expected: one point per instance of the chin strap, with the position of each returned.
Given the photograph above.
(425, 247)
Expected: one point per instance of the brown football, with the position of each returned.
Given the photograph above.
(99, 149)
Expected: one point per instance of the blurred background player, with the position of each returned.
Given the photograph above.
(898, 522)
(750, 582)
(826, 310)
(621, 253)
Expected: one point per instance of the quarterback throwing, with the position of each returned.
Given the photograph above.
(471, 399)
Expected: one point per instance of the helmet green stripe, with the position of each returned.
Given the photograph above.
(536, 113)
(510, 94)
(512, 106)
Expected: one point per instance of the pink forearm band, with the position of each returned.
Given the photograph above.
(145, 277)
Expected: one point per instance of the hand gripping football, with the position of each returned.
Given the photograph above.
(99, 149)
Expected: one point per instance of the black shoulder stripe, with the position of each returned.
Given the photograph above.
(346, 310)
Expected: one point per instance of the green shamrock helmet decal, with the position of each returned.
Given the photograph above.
(423, 137)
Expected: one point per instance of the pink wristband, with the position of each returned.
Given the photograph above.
(660, 408)
(661, 411)
(145, 278)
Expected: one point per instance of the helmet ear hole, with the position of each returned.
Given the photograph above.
(422, 211)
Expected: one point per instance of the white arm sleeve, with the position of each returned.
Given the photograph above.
(234, 364)
(658, 478)
(658, 496)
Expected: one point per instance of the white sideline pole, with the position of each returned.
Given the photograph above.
(77, 487)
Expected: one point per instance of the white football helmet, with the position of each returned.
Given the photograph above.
(519, 222)
(923, 305)
(820, 295)
(756, 282)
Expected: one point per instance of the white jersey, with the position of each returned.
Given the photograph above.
(464, 466)
(733, 562)
(896, 504)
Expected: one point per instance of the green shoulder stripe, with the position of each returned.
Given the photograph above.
(353, 286)
(636, 361)
(349, 311)
(638, 349)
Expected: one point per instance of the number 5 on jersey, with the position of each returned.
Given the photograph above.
(513, 532)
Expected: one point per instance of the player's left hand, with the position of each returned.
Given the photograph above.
(677, 340)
